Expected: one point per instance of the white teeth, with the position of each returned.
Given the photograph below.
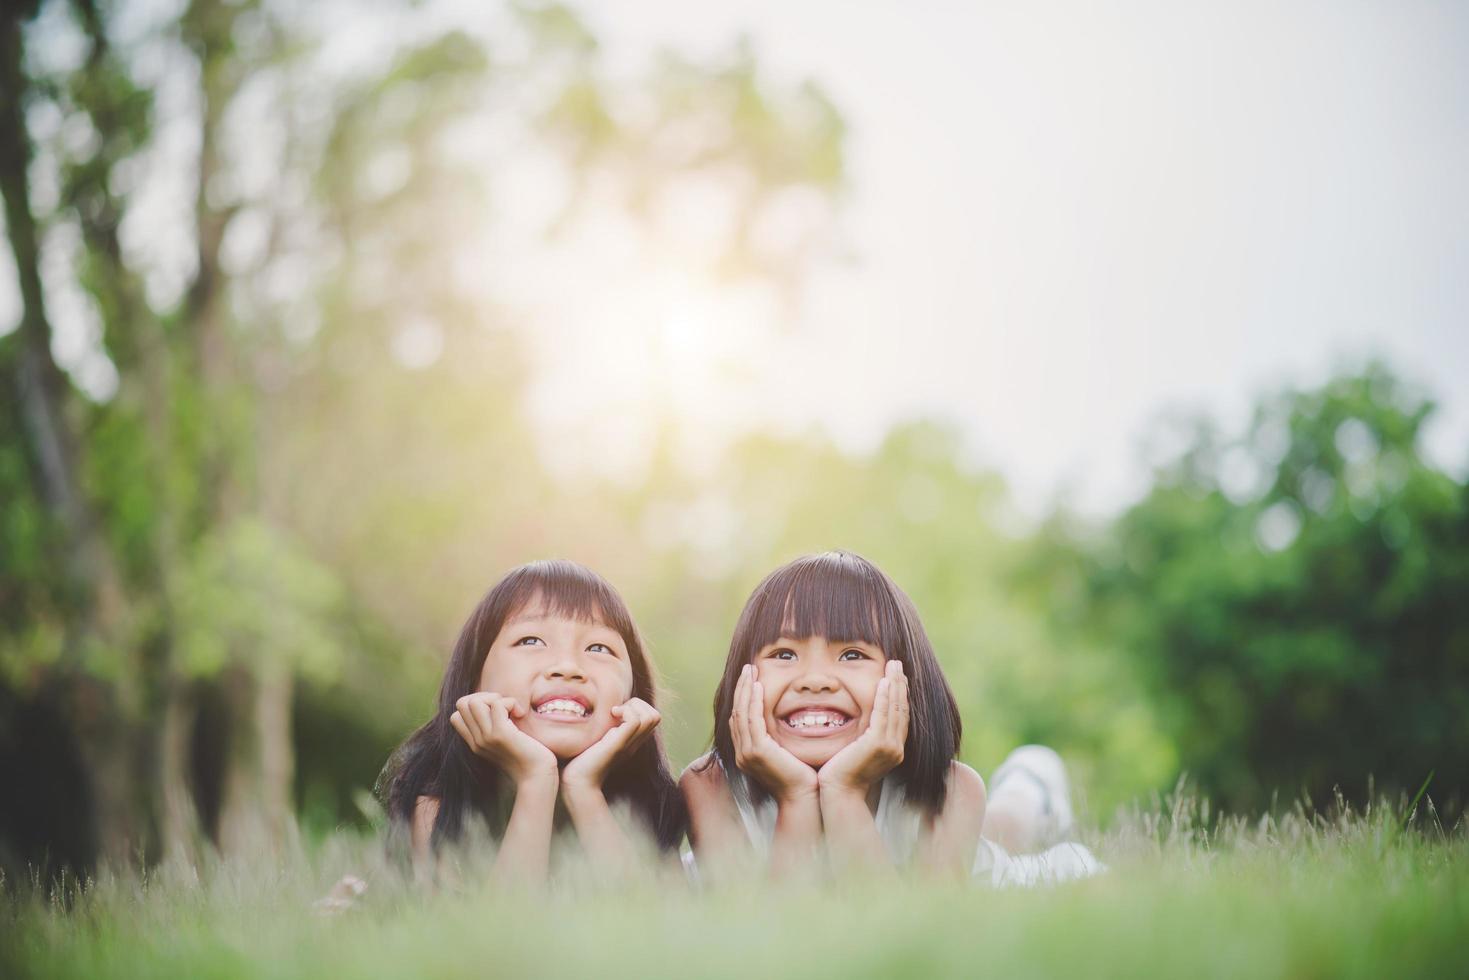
(562, 706)
(816, 719)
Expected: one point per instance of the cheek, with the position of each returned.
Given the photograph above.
(497, 675)
(772, 698)
(864, 693)
(616, 685)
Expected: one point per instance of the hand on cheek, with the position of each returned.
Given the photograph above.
(878, 750)
(636, 720)
(485, 721)
(757, 754)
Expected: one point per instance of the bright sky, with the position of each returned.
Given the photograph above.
(1064, 219)
(1070, 217)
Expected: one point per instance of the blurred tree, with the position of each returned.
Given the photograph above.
(295, 414)
(64, 598)
(1297, 598)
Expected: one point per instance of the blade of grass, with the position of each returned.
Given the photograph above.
(1413, 807)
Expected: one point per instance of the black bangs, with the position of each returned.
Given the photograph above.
(845, 597)
(434, 761)
(567, 589)
(836, 595)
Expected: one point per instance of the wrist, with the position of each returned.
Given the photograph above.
(794, 795)
(580, 797)
(538, 779)
(578, 788)
(837, 790)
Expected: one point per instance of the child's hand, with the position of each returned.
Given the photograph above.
(877, 751)
(637, 719)
(757, 754)
(485, 721)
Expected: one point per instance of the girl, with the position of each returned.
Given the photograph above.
(548, 698)
(834, 724)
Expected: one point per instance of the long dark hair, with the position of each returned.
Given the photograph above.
(435, 761)
(843, 596)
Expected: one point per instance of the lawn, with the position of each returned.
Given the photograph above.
(1187, 894)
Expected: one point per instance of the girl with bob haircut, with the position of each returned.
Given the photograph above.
(545, 715)
(833, 723)
(834, 726)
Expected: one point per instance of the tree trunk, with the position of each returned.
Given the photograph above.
(109, 757)
(256, 812)
(91, 598)
(178, 822)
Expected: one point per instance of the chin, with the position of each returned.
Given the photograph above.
(565, 745)
(813, 756)
(566, 749)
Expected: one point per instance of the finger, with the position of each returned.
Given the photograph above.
(647, 719)
(901, 711)
(893, 675)
(640, 721)
(755, 705)
(642, 729)
(511, 705)
(757, 711)
(618, 738)
(618, 711)
(500, 711)
(514, 708)
(739, 711)
(457, 722)
(629, 711)
(461, 708)
(648, 722)
(466, 715)
(504, 728)
(479, 710)
(879, 721)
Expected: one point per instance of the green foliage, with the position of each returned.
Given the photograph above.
(1296, 598)
(251, 593)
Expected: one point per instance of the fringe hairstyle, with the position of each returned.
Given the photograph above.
(435, 761)
(843, 596)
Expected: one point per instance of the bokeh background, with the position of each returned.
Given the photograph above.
(1130, 340)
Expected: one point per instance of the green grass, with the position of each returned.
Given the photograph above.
(1188, 894)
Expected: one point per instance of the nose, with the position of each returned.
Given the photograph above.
(816, 680)
(566, 668)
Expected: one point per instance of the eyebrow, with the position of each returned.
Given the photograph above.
(831, 640)
(542, 619)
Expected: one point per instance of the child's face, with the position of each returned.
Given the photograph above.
(818, 693)
(568, 675)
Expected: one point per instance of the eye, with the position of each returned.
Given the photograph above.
(852, 653)
(601, 648)
(781, 653)
(529, 641)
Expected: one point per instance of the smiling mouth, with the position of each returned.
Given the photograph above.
(562, 709)
(815, 721)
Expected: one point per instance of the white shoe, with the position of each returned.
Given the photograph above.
(1034, 778)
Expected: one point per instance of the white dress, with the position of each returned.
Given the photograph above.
(899, 824)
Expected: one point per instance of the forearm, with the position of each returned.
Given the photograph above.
(797, 834)
(602, 837)
(525, 850)
(852, 838)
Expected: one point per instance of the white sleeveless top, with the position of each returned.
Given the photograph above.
(899, 826)
(897, 823)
